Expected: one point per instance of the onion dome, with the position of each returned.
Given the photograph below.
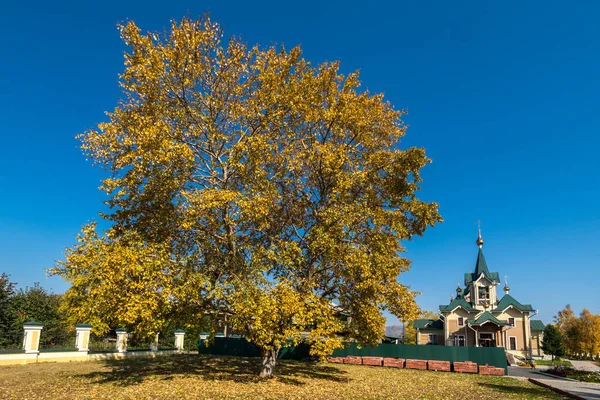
(479, 240)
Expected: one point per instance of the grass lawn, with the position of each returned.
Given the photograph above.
(565, 363)
(200, 377)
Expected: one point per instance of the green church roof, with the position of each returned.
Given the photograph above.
(486, 317)
(536, 325)
(457, 302)
(428, 324)
(481, 268)
(508, 301)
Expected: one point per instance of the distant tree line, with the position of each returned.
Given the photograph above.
(18, 306)
(580, 335)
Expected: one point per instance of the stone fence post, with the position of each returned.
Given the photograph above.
(82, 339)
(179, 335)
(121, 340)
(31, 338)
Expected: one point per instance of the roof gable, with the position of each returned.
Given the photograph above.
(428, 324)
(509, 301)
(485, 318)
(457, 302)
(536, 325)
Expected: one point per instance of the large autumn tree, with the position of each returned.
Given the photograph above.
(581, 334)
(247, 184)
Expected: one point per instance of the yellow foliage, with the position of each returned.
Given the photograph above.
(245, 182)
(581, 334)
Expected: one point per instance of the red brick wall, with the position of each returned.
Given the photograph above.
(393, 362)
(353, 360)
(465, 366)
(376, 361)
(416, 364)
(435, 365)
(487, 370)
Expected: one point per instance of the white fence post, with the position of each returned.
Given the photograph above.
(121, 340)
(154, 345)
(31, 339)
(179, 335)
(82, 340)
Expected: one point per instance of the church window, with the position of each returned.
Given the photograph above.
(484, 293)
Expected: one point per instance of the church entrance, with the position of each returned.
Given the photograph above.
(486, 340)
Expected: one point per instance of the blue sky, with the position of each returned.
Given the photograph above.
(503, 95)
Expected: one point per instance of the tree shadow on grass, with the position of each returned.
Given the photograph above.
(536, 391)
(134, 371)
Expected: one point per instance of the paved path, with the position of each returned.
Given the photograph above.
(585, 365)
(580, 390)
(524, 372)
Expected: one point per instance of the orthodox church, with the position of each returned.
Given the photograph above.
(478, 317)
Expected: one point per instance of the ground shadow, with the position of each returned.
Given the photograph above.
(535, 391)
(133, 371)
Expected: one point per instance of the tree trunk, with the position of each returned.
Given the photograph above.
(268, 361)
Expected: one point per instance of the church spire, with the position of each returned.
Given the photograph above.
(479, 238)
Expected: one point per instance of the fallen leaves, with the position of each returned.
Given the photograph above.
(199, 377)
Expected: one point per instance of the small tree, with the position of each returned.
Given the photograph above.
(553, 342)
(567, 322)
(38, 304)
(7, 291)
(590, 329)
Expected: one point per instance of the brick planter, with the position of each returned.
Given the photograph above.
(375, 361)
(416, 364)
(353, 360)
(337, 360)
(468, 367)
(487, 370)
(393, 362)
(435, 365)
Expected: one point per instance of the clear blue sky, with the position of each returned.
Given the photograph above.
(503, 95)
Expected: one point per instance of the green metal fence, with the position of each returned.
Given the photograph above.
(493, 356)
(242, 348)
(57, 340)
(103, 344)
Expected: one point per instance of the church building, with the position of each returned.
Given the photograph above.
(477, 316)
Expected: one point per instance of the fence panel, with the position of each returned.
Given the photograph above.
(103, 344)
(57, 339)
(228, 347)
(242, 348)
(166, 341)
(139, 343)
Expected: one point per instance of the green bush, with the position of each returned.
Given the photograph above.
(572, 373)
